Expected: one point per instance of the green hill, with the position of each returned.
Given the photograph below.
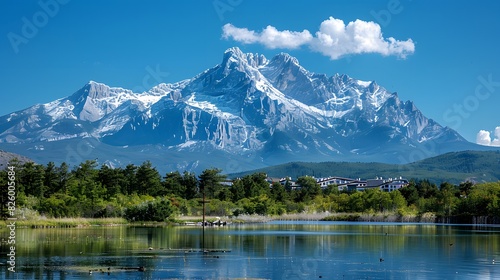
(455, 167)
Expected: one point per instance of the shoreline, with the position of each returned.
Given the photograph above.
(248, 219)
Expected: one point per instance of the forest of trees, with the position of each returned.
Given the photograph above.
(141, 193)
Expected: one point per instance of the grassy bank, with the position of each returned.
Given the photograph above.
(322, 216)
(41, 222)
(381, 217)
(66, 222)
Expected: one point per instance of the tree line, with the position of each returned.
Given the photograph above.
(141, 193)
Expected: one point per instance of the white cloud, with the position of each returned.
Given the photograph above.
(334, 39)
(484, 138)
(269, 37)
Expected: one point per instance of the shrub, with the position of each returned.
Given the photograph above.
(153, 211)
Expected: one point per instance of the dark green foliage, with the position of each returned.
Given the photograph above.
(148, 180)
(112, 180)
(331, 189)
(308, 188)
(398, 201)
(154, 211)
(465, 188)
(376, 200)
(86, 171)
(30, 179)
(237, 190)
(130, 183)
(211, 182)
(173, 184)
(255, 185)
(4, 194)
(278, 192)
(51, 179)
(348, 218)
(448, 199)
(60, 205)
(140, 193)
(426, 189)
(190, 184)
(292, 207)
(410, 193)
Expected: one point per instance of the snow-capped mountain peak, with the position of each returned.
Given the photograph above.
(285, 59)
(273, 109)
(96, 100)
(234, 54)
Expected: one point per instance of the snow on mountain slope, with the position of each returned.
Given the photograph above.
(95, 109)
(248, 104)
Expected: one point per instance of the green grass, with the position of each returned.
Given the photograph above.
(342, 217)
(66, 222)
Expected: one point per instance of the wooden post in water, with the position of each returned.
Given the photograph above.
(204, 201)
(203, 236)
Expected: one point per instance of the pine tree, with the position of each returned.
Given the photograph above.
(278, 192)
(149, 180)
(130, 183)
(173, 184)
(31, 178)
(210, 182)
(191, 185)
(111, 179)
(51, 180)
(237, 190)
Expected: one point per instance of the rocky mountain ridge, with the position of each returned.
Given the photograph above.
(266, 111)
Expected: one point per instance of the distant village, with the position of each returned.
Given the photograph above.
(349, 184)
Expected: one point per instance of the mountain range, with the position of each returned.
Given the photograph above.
(244, 113)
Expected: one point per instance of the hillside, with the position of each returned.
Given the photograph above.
(5, 157)
(454, 167)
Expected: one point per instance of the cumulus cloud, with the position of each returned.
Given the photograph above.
(333, 39)
(484, 138)
(269, 37)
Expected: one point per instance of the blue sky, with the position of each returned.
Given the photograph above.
(449, 64)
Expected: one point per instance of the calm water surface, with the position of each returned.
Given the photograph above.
(276, 250)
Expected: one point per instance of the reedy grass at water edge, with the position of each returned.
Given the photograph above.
(41, 222)
(66, 222)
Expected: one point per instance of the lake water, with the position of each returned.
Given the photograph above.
(276, 250)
